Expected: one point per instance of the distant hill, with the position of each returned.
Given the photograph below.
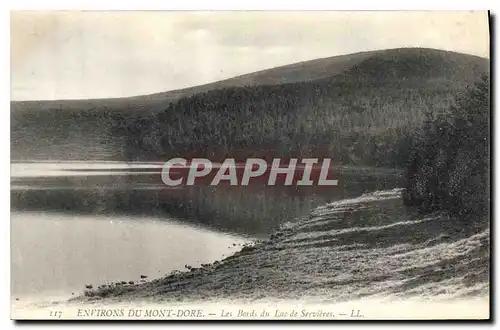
(303, 71)
(297, 72)
(351, 106)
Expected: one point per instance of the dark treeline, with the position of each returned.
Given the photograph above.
(387, 111)
(396, 108)
(449, 165)
(351, 124)
(357, 109)
(365, 116)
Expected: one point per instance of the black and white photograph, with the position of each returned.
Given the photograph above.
(250, 165)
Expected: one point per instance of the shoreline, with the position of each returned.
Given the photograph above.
(330, 254)
(350, 253)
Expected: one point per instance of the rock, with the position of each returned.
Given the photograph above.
(248, 248)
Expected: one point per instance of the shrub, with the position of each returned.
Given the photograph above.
(448, 167)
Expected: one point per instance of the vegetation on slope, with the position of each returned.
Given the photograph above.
(357, 109)
(365, 115)
(449, 166)
(362, 109)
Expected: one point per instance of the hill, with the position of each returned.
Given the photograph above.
(302, 71)
(297, 72)
(350, 107)
(363, 115)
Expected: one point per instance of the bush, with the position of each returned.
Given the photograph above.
(448, 166)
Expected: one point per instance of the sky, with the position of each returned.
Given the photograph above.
(80, 55)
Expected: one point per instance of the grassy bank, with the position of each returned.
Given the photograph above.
(366, 247)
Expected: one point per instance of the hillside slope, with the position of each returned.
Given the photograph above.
(297, 72)
(364, 115)
(302, 71)
(338, 99)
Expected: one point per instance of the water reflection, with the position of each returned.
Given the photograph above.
(74, 223)
(136, 189)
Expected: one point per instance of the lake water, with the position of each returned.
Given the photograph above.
(57, 253)
(77, 223)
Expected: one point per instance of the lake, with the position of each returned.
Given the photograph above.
(76, 223)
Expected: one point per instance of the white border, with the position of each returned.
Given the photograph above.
(252, 5)
(6, 6)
